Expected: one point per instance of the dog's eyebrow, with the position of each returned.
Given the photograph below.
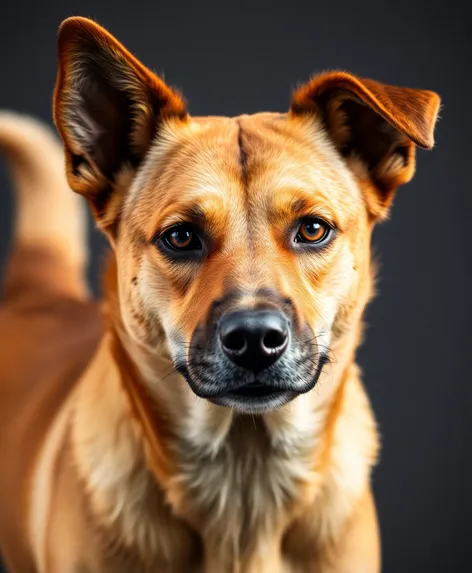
(194, 212)
(209, 210)
(297, 206)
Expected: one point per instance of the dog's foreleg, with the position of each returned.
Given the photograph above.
(358, 548)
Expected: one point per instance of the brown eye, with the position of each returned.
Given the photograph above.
(182, 240)
(313, 231)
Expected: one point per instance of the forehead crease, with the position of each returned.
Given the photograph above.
(272, 153)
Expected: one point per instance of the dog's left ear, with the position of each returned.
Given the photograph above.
(107, 108)
(374, 126)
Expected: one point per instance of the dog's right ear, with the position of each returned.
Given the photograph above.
(374, 126)
(107, 109)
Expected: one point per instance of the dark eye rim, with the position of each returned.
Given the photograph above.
(323, 242)
(191, 252)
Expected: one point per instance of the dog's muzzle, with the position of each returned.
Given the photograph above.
(252, 360)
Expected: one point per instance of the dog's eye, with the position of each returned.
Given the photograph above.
(313, 231)
(182, 238)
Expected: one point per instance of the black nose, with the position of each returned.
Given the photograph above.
(254, 339)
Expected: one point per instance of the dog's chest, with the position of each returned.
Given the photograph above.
(241, 497)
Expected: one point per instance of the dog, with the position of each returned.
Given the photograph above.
(207, 415)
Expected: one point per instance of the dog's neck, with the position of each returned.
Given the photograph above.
(155, 453)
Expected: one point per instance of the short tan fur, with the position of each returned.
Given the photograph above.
(111, 462)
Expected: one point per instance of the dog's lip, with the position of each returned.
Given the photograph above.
(253, 390)
(256, 390)
(255, 402)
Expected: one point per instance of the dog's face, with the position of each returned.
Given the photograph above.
(245, 241)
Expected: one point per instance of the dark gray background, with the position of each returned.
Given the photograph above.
(239, 57)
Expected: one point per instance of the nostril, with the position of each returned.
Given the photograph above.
(253, 339)
(234, 341)
(274, 339)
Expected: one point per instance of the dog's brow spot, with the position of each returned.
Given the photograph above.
(134, 280)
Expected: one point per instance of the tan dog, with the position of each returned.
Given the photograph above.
(216, 422)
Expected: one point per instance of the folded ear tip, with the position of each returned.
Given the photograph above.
(431, 118)
(388, 101)
(430, 142)
(436, 105)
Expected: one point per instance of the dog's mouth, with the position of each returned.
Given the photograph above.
(255, 398)
(255, 390)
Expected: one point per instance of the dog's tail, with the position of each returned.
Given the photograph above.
(49, 244)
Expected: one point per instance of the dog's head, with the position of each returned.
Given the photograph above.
(244, 241)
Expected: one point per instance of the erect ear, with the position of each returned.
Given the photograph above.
(374, 126)
(107, 109)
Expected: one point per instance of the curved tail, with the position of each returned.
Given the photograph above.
(49, 244)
